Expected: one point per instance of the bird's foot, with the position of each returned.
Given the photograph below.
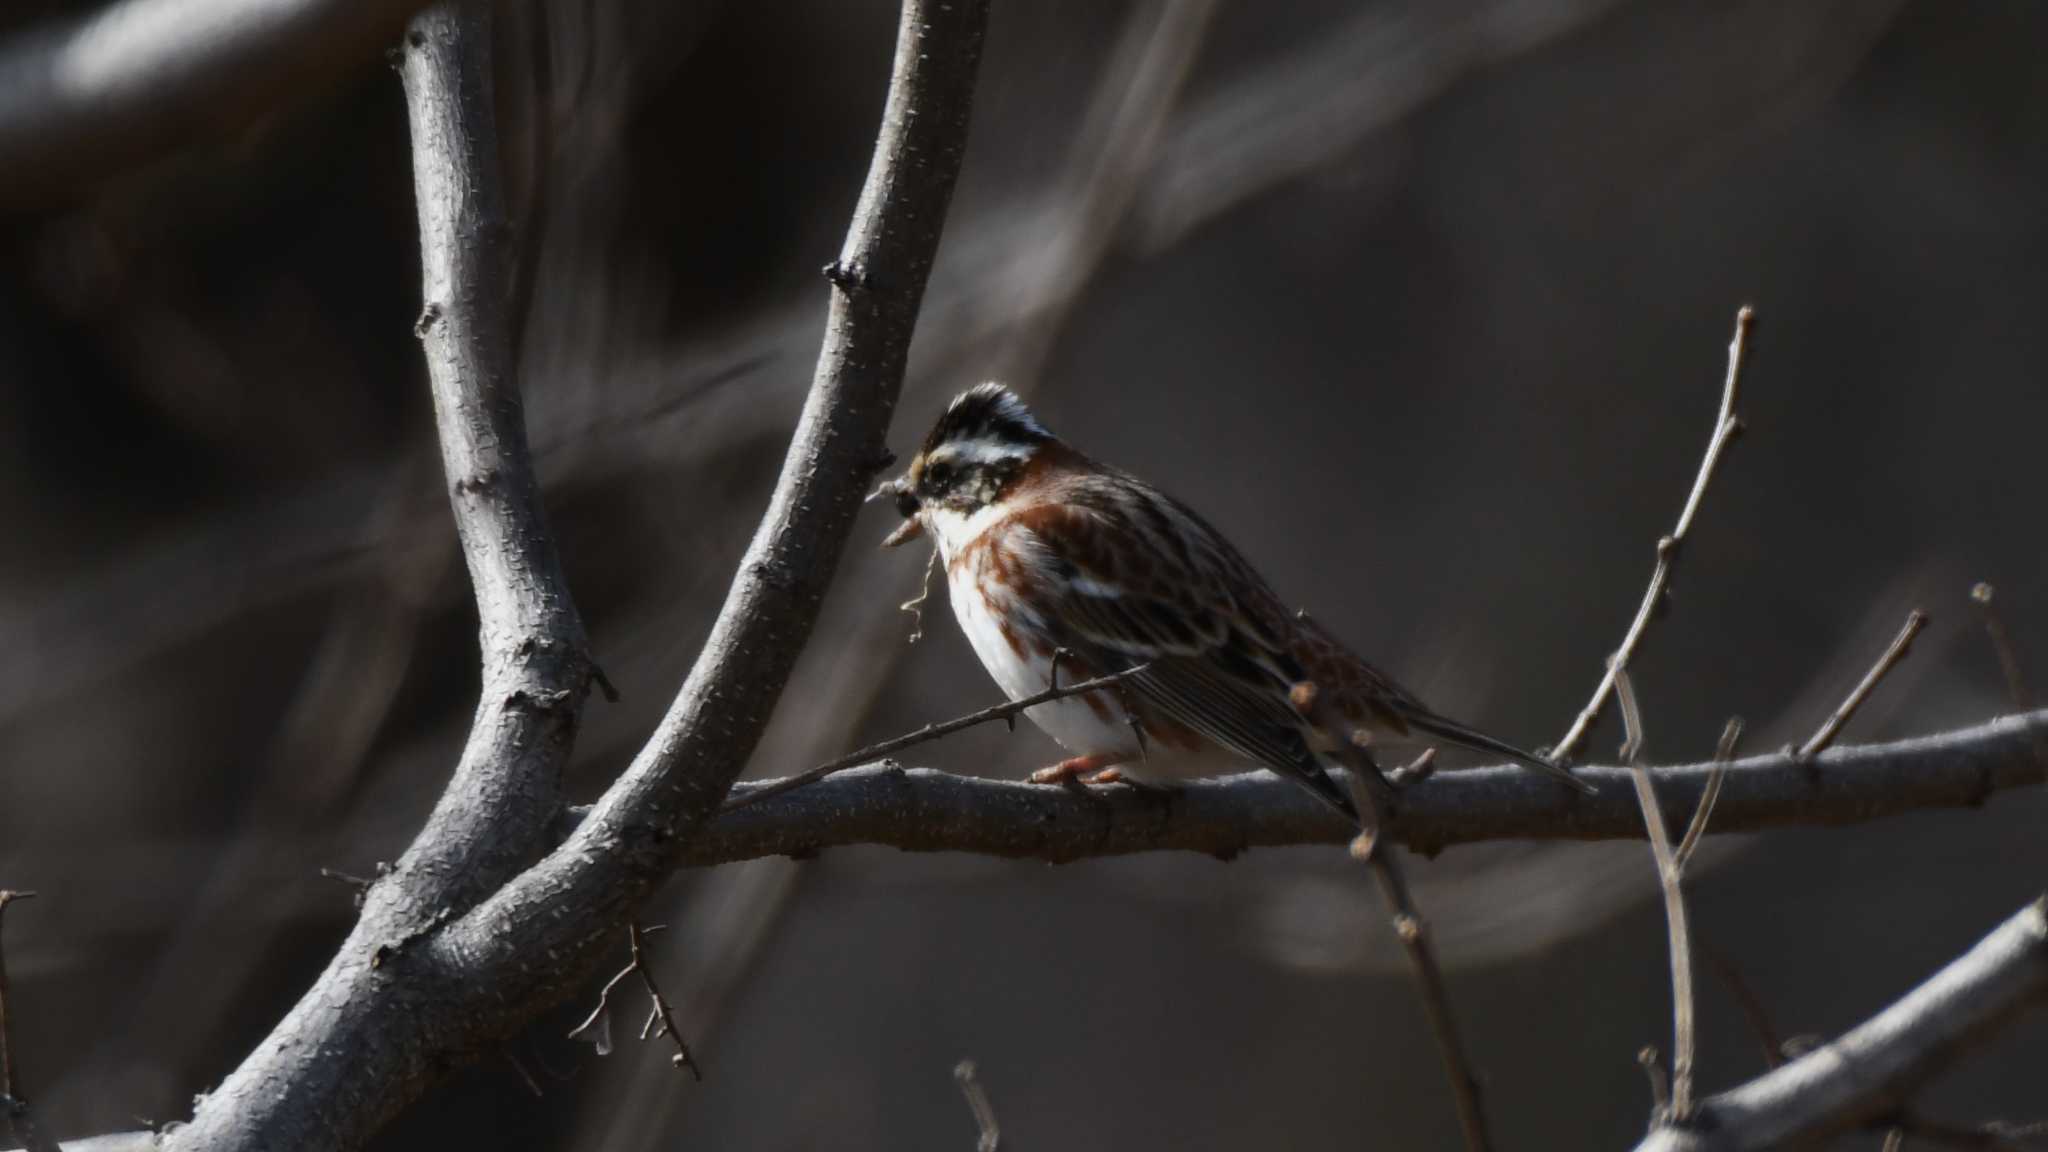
(1095, 767)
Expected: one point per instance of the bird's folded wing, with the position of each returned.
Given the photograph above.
(1207, 669)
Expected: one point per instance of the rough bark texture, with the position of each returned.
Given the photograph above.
(923, 810)
(637, 832)
(426, 980)
(343, 1059)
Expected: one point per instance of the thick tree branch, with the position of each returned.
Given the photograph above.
(1868, 1072)
(423, 984)
(923, 810)
(637, 832)
(92, 96)
(342, 1061)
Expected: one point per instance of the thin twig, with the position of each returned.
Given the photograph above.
(8, 1087)
(2001, 643)
(1703, 812)
(873, 752)
(1414, 937)
(1669, 877)
(636, 939)
(1726, 425)
(977, 1102)
(1900, 645)
(1415, 771)
(1753, 1011)
(661, 1021)
(1652, 1062)
(2008, 662)
(19, 1118)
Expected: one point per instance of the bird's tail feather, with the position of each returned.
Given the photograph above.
(1479, 741)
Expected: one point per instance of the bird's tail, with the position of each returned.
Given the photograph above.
(1478, 741)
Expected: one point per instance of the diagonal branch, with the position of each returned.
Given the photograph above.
(923, 810)
(337, 1065)
(423, 984)
(1006, 711)
(637, 832)
(1726, 426)
(1868, 1072)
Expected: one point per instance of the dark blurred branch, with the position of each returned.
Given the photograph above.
(19, 1119)
(90, 97)
(1866, 1075)
(342, 1061)
(1726, 425)
(923, 810)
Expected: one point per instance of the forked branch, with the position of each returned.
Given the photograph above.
(1869, 1072)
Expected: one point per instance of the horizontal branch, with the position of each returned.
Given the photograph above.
(923, 810)
(1865, 1075)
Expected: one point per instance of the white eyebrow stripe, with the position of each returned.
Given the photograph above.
(980, 452)
(1091, 587)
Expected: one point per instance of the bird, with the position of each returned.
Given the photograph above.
(1058, 565)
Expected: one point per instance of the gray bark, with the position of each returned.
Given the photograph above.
(923, 810)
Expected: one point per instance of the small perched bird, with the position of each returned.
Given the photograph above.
(1061, 566)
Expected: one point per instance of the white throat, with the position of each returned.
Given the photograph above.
(954, 529)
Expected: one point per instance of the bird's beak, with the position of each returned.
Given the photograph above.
(906, 504)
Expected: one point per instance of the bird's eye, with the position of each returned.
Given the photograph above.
(938, 474)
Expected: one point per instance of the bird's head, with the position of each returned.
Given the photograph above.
(971, 457)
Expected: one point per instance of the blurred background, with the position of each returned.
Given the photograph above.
(1424, 303)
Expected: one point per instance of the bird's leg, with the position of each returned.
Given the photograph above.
(1095, 766)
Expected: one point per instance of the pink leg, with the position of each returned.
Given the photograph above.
(1074, 767)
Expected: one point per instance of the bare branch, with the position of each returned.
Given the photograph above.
(1429, 978)
(924, 810)
(92, 96)
(335, 1067)
(8, 1087)
(2008, 660)
(644, 822)
(1867, 1073)
(661, 1016)
(991, 1136)
(874, 752)
(419, 986)
(1669, 879)
(19, 1118)
(1982, 595)
(1726, 426)
(1895, 652)
(1731, 735)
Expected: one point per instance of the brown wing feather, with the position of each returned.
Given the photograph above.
(1218, 665)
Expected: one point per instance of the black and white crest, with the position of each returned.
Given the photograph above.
(987, 414)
